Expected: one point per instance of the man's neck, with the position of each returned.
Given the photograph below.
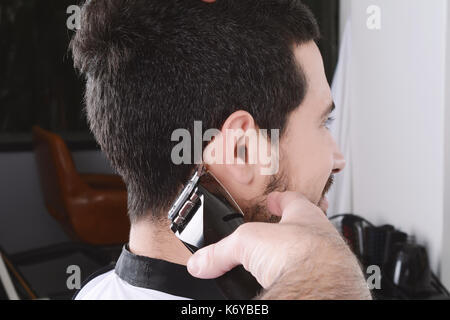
(156, 240)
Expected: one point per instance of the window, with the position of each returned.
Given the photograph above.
(38, 85)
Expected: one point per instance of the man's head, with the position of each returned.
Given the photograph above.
(155, 67)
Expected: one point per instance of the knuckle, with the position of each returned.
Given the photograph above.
(240, 236)
(245, 231)
(241, 231)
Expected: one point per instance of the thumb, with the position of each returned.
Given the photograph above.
(213, 261)
(288, 205)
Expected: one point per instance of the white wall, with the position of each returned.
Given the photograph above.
(398, 109)
(446, 224)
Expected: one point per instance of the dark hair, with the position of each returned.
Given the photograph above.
(155, 66)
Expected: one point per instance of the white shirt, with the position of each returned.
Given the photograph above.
(142, 278)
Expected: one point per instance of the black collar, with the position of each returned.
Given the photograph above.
(164, 276)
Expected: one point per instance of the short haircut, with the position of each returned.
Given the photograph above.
(152, 67)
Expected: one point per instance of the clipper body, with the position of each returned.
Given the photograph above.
(205, 213)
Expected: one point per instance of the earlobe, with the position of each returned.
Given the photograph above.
(242, 171)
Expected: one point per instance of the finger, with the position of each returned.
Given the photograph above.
(214, 260)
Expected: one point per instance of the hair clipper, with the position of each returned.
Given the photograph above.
(205, 213)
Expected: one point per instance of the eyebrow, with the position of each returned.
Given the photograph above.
(329, 110)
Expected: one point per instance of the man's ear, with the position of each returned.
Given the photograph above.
(235, 149)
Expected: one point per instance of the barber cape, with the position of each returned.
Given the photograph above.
(141, 278)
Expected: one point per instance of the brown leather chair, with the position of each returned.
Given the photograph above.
(91, 208)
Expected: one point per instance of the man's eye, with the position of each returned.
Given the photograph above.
(329, 122)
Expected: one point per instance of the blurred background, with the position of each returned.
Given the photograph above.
(388, 62)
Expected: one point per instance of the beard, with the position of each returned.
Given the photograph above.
(328, 185)
(257, 211)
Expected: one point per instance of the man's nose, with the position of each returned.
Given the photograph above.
(339, 160)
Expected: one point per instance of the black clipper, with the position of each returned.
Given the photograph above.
(205, 213)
